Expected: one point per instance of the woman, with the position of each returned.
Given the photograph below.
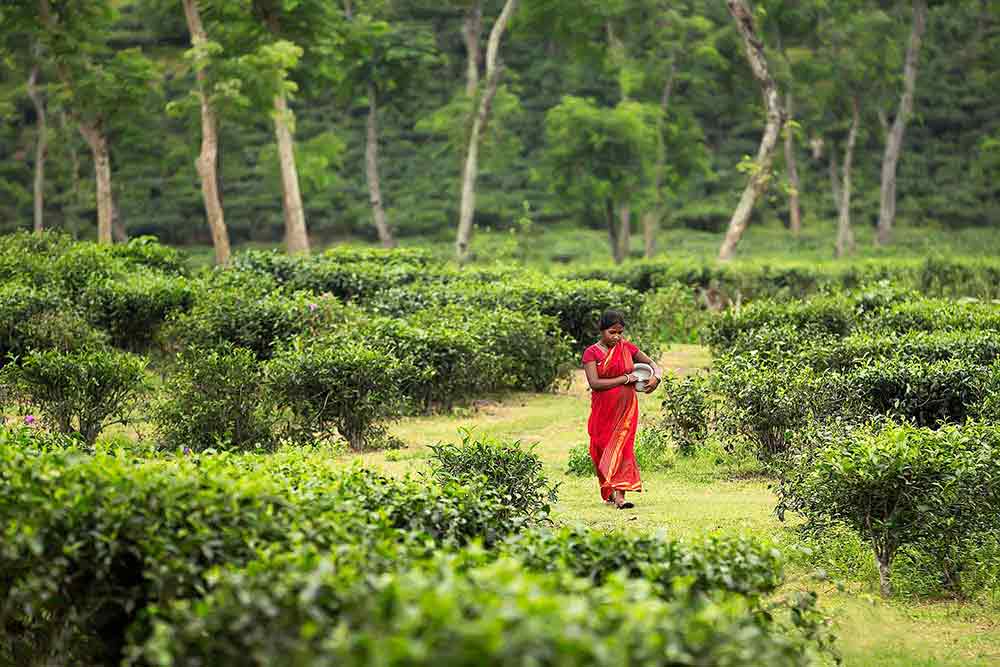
(614, 408)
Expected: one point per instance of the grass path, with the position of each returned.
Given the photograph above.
(696, 497)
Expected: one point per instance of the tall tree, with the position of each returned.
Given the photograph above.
(41, 143)
(377, 55)
(206, 163)
(98, 85)
(486, 92)
(760, 175)
(845, 235)
(894, 137)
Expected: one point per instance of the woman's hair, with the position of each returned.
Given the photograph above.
(611, 318)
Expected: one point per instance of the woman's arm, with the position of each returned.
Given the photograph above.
(598, 383)
(653, 382)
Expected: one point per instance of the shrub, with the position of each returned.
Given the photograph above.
(901, 485)
(101, 537)
(827, 315)
(924, 393)
(83, 264)
(146, 252)
(252, 317)
(131, 308)
(496, 614)
(579, 463)
(653, 450)
(336, 385)
(450, 363)
(673, 314)
(37, 318)
(686, 411)
(78, 392)
(514, 472)
(765, 404)
(713, 563)
(216, 399)
(937, 314)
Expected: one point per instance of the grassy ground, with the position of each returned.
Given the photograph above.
(699, 495)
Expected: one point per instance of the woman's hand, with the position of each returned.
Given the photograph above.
(651, 385)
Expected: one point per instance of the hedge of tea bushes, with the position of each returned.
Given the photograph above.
(797, 279)
(226, 559)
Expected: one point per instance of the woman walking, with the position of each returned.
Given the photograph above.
(614, 408)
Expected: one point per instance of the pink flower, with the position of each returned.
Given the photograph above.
(29, 420)
(313, 306)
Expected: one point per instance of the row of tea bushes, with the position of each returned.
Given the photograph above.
(211, 559)
(791, 279)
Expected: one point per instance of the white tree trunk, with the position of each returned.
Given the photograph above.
(471, 171)
(649, 226)
(835, 178)
(651, 219)
(845, 235)
(794, 210)
(761, 175)
(98, 142)
(471, 28)
(41, 145)
(371, 165)
(207, 161)
(625, 233)
(296, 238)
(894, 140)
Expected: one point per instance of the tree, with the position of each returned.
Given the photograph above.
(760, 172)
(602, 153)
(98, 86)
(377, 55)
(200, 53)
(486, 91)
(35, 94)
(894, 135)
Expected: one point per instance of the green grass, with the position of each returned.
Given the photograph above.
(699, 495)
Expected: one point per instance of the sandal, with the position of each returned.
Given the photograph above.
(625, 505)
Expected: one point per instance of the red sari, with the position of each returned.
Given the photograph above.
(614, 418)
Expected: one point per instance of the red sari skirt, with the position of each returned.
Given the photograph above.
(614, 419)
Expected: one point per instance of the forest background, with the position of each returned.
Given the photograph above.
(624, 116)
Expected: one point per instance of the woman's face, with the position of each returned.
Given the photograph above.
(611, 336)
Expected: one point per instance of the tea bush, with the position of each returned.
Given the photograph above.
(78, 392)
(924, 393)
(37, 318)
(512, 471)
(902, 486)
(102, 536)
(765, 404)
(216, 399)
(131, 308)
(686, 411)
(579, 463)
(673, 314)
(332, 385)
(496, 614)
(824, 315)
(653, 453)
(251, 316)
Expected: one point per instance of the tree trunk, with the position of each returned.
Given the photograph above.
(296, 237)
(118, 232)
(761, 175)
(41, 145)
(98, 142)
(625, 235)
(883, 563)
(651, 219)
(613, 230)
(894, 140)
(835, 178)
(845, 235)
(371, 164)
(794, 211)
(471, 29)
(207, 161)
(471, 171)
